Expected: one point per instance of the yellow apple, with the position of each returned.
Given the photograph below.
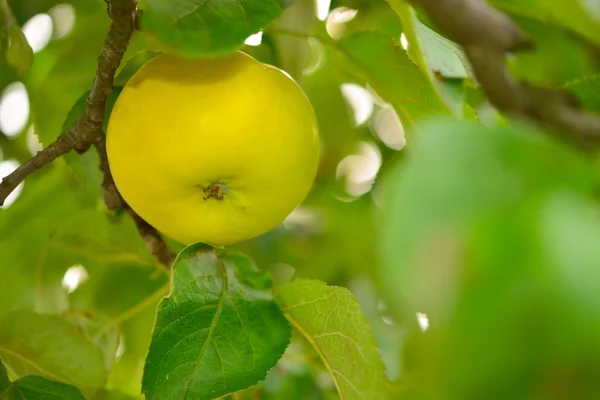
(212, 150)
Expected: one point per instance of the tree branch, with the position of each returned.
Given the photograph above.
(9, 183)
(114, 201)
(88, 127)
(487, 35)
(87, 130)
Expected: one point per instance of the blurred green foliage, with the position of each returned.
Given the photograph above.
(490, 227)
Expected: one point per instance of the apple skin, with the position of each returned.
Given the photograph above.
(212, 150)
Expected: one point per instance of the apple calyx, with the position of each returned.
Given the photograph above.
(215, 191)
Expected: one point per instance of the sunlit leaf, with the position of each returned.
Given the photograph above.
(34, 344)
(35, 388)
(199, 27)
(219, 330)
(428, 48)
(333, 323)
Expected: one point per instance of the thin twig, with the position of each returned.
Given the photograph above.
(87, 130)
(88, 127)
(155, 243)
(9, 183)
(487, 35)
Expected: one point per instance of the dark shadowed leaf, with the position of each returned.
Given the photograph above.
(207, 27)
(19, 54)
(13, 43)
(35, 388)
(219, 330)
(333, 323)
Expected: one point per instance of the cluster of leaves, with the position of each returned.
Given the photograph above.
(488, 226)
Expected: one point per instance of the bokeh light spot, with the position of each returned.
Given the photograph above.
(14, 109)
(33, 141)
(388, 128)
(38, 31)
(6, 167)
(360, 169)
(337, 19)
(404, 41)
(254, 40)
(74, 277)
(322, 9)
(359, 100)
(423, 321)
(63, 16)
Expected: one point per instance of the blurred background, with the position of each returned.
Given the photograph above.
(471, 243)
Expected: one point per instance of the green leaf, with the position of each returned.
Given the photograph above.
(31, 343)
(580, 16)
(333, 323)
(556, 58)
(35, 388)
(207, 27)
(572, 15)
(461, 176)
(430, 50)
(64, 226)
(81, 104)
(387, 68)
(131, 66)
(86, 166)
(32, 269)
(65, 68)
(114, 395)
(90, 324)
(4, 380)
(434, 54)
(3, 26)
(19, 54)
(587, 91)
(485, 230)
(219, 330)
(443, 56)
